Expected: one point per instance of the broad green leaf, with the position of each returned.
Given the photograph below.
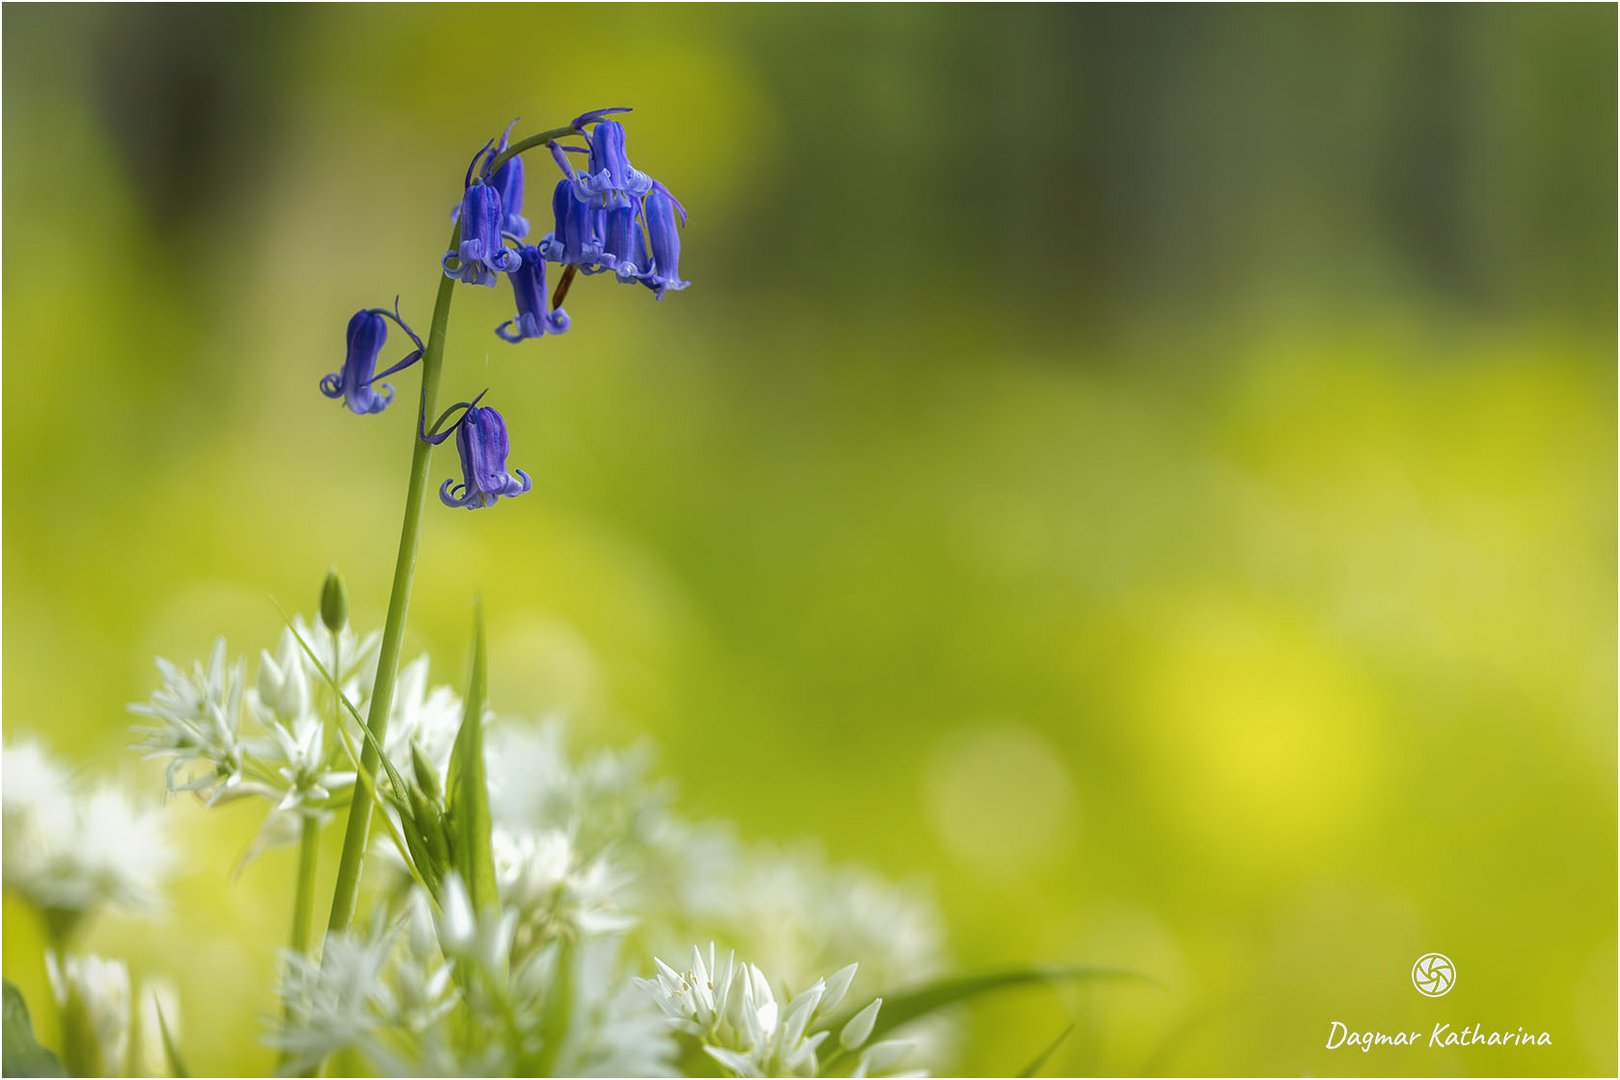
(20, 1053)
(1045, 1055)
(177, 1065)
(902, 1008)
(467, 793)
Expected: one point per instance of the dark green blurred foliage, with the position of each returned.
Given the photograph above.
(1148, 470)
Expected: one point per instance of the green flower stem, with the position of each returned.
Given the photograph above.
(304, 892)
(303, 899)
(529, 143)
(347, 893)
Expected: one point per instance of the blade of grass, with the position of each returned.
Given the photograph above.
(177, 1065)
(906, 1006)
(467, 793)
(1045, 1055)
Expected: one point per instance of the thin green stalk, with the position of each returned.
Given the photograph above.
(304, 892)
(347, 893)
(529, 143)
(303, 899)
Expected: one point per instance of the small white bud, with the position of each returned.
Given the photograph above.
(423, 940)
(458, 930)
(859, 1028)
(837, 986)
(883, 1056)
(797, 1015)
(282, 685)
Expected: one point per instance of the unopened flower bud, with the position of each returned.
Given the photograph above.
(282, 685)
(859, 1029)
(427, 778)
(334, 602)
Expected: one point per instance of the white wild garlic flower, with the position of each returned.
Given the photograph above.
(553, 892)
(225, 740)
(445, 994)
(367, 993)
(71, 854)
(93, 999)
(729, 1008)
(587, 852)
(195, 722)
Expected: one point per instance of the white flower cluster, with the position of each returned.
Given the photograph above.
(67, 851)
(595, 874)
(729, 1008)
(455, 993)
(224, 739)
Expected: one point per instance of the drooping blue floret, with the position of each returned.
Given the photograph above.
(481, 253)
(534, 315)
(576, 239)
(664, 239)
(508, 181)
(356, 383)
(624, 242)
(609, 179)
(481, 440)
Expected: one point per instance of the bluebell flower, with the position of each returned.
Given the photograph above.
(624, 243)
(508, 181)
(481, 254)
(576, 239)
(482, 443)
(664, 238)
(609, 179)
(534, 315)
(368, 331)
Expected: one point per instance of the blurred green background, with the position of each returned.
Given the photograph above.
(1147, 471)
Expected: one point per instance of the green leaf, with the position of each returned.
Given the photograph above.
(400, 844)
(20, 1053)
(902, 1008)
(559, 1006)
(1041, 1059)
(467, 793)
(177, 1065)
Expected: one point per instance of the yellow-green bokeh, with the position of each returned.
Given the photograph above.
(1148, 471)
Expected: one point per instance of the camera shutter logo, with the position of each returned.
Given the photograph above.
(1434, 974)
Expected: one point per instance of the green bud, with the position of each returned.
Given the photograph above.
(429, 827)
(334, 602)
(426, 777)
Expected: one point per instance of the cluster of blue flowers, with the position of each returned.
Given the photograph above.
(607, 217)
